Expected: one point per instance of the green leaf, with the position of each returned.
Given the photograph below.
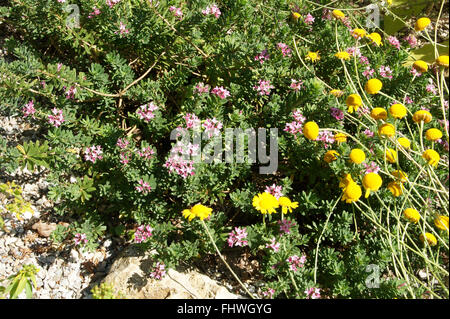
(426, 53)
(28, 290)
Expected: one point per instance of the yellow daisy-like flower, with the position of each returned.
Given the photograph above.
(199, 211)
(429, 237)
(433, 134)
(442, 61)
(386, 129)
(343, 55)
(265, 203)
(395, 188)
(371, 182)
(352, 193)
(373, 86)
(378, 113)
(357, 156)
(311, 130)
(313, 56)
(404, 142)
(337, 93)
(330, 156)
(391, 155)
(397, 110)
(345, 181)
(432, 157)
(400, 175)
(412, 215)
(441, 222)
(375, 38)
(359, 33)
(296, 15)
(353, 102)
(338, 14)
(422, 115)
(420, 66)
(421, 24)
(340, 137)
(287, 205)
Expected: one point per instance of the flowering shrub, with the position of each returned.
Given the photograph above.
(362, 176)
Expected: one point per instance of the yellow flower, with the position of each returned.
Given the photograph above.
(412, 215)
(296, 15)
(311, 130)
(345, 181)
(422, 115)
(432, 157)
(430, 238)
(353, 102)
(386, 129)
(313, 56)
(378, 113)
(287, 205)
(265, 203)
(433, 134)
(342, 55)
(391, 155)
(340, 137)
(357, 156)
(336, 93)
(373, 86)
(442, 61)
(330, 156)
(420, 66)
(352, 193)
(199, 211)
(400, 175)
(359, 33)
(395, 188)
(421, 24)
(371, 182)
(375, 38)
(404, 142)
(441, 222)
(338, 14)
(398, 111)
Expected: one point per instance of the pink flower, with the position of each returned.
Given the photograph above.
(176, 12)
(368, 72)
(269, 293)
(57, 118)
(394, 42)
(309, 19)
(430, 87)
(79, 238)
(327, 137)
(263, 87)
(192, 121)
(285, 50)
(237, 237)
(312, 293)
(415, 73)
(147, 152)
(274, 245)
(296, 85)
(294, 128)
(364, 60)
(59, 66)
(412, 40)
(385, 72)
(158, 272)
(29, 109)
(274, 190)
(180, 166)
(142, 233)
(112, 3)
(354, 51)
(213, 9)
(96, 12)
(125, 158)
(70, 93)
(296, 262)
(408, 100)
(338, 114)
(201, 88)
(212, 127)
(326, 14)
(143, 187)
(145, 111)
(122, 29)
(220, 92)
(286, 225)
(298, 116)
(122, 143)
(93, 153)
(262, 56)
(371, 168)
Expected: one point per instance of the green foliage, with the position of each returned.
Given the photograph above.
(25, 279)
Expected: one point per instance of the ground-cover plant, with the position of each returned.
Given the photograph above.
(358, 204)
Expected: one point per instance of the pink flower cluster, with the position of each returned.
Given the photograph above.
(142, 233)
(296, 126)
(296, 85)
(371, 168)
(275, 190)
(192, 121)
(80, 238)
(285, 50)
(213, 10)
(312, 293)
(286, 225)
(158, 271)
(94, 13)
(112, 3)
(125, 158)
(368, 133)
(122, 143)
(394, 42)
(368, 72)
(238, 237)
(145, 111)
(338, 114)
(430, 87)
(263, 87)
(176, 12)
(93, 153)
(412, 40)
(212, 127)
(57, 118)
(273, 245)
(220, 92)
(385, 72)
(327, 137)
(269, 293)
(143, 187)
(296, 262)
(178, 164)
(262, 56)
(122, 29)
(146, 152)
(70, 93)
(309, 19)
(29, 109)
(201, 88)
